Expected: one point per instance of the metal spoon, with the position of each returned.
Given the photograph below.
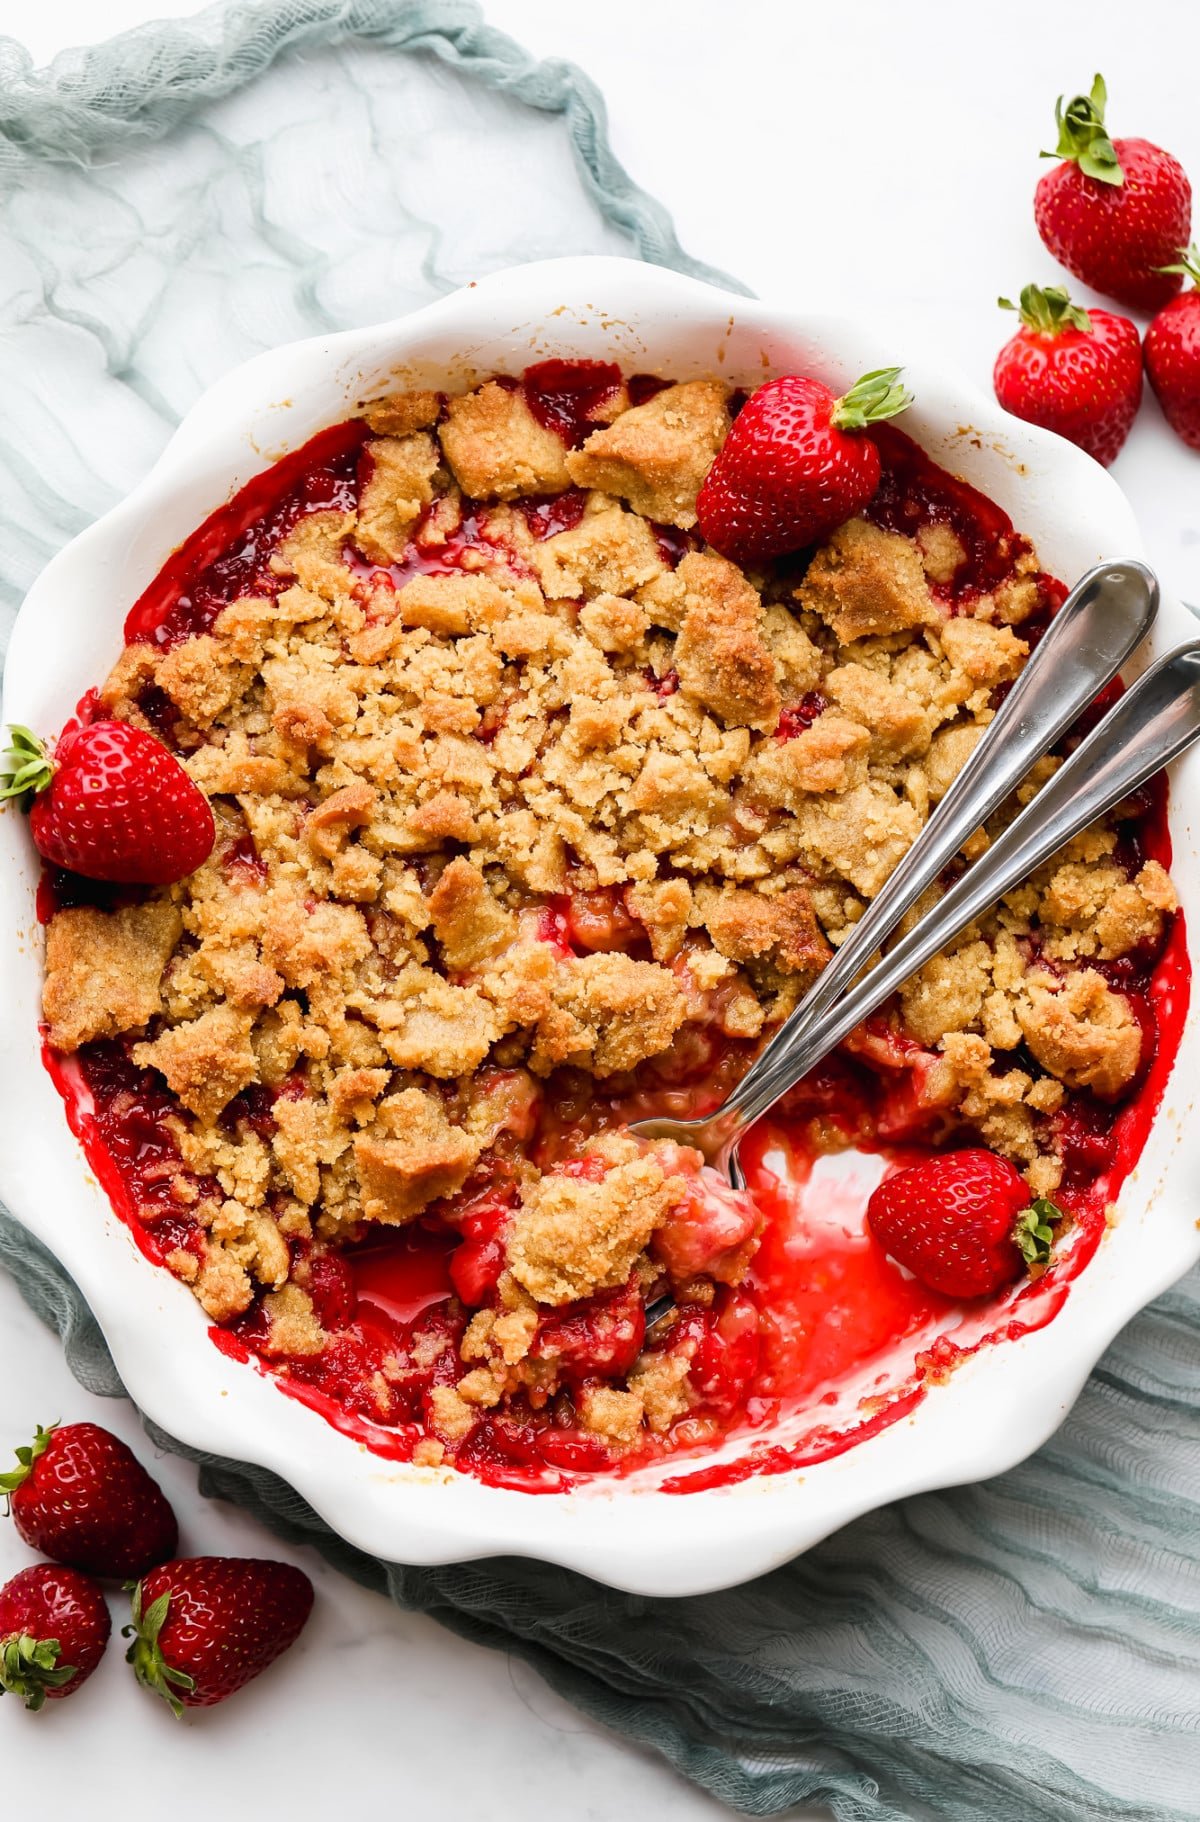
(1082, 658)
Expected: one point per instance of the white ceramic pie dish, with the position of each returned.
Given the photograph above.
(1003, 1402)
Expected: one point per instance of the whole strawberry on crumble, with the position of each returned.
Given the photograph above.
(534, 815)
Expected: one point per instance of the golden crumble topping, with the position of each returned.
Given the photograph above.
(655, 456)
(104, 970)
(518, 784)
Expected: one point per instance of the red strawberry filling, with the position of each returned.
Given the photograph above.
(571, 397)
(599, 1338)
(476, 1265)
(712, 1229)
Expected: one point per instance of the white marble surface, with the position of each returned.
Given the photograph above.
(371, 1704)
(878, 153)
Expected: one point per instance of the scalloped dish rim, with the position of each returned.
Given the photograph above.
(995, 1409)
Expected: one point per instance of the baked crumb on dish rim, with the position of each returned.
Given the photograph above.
(880, 1447)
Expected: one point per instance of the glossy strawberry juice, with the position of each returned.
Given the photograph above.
(826, 1332)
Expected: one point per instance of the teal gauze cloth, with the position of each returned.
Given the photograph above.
(191, 193)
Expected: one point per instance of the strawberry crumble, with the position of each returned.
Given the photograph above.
(534, 816)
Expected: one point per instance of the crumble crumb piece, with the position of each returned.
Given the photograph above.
(131, 676)
(572, 1237)
(496, 448)
(351, 807)
(656, 455)
(310, 1135)
(253, 1238)
(104, 970)
(865, 582)
(454, 605)
(900, 727)
(450, 1415)
(610, 552)
(664, 907)
(469, 923)
(948, 754)
(306, 941)
(1133, 912)
(860, 834)
(479, 1388)
(1156, 887)
(396, 494)
(313, 553)
(798, 661)
(513, 1333)
(199, 678)
(206, 1061)
(431, 1024)
(608, 1013)
(401, 413)
(354, 1092)
(987, 654)
(615, 1416)
(294, 1328)
(674, 785)
(948, 993)
(504, 1338)
(1017, 596)
(410, 1157)
(182, 1264)
(722, 658)
(530, 635)
(749, 928)
(662, 598)
(829, 757)
(1081, 1031)
(660, 1380)
(942, 552)
(222, 1286)
(615, 624)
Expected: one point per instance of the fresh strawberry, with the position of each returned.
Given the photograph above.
(1072, 370)
(962, 1223)
(1116, 211)
(81, 1497)
(1172, 350)
(54, 1626)
(112, 803)
(796, 463)
(204, 1625)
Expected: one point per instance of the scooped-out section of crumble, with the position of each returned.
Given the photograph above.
(536, 815)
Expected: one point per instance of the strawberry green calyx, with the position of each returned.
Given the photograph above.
(1048, 310)
(145, 1653)
(1034, 1233)
(872, 399)
(26, 1456)
(1083, 138)
(29, 1667)
(1188, 264)
(25, 768)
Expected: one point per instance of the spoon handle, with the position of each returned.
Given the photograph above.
(1103, 619)
(1152, 724)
